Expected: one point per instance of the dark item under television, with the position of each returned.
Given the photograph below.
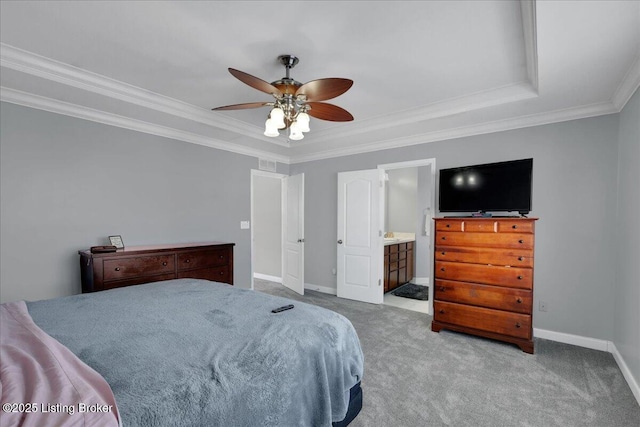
(492, 187)
(103, 249)
(117, 241)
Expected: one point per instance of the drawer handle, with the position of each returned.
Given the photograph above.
(187, 261)
(518, 325)
(520, 258)
(514, 226)
(520, 241)
(441, 268)
(448, 225)
(444, 238)
(222, 273)
(519, 300)
(443, 253)
(117, 268)
(221, 256)
(164, 264)
(442, 311)
(442, 288)
(519, 277)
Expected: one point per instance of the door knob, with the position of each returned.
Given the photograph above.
(340, 241)
(300, 240)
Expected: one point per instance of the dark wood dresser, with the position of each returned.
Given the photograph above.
(484, 278)
(142, 264)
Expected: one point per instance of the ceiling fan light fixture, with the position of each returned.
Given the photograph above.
(270, 129)
(294, 102)
(303, 122)
(277, 117)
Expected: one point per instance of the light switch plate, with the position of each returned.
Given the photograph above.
(244, 225)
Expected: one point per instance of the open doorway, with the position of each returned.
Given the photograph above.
(266, 226)
(409, 203)
(277, 232)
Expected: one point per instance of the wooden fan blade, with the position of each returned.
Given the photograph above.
(330, 112)
(323, 89)
(255, 82)
(242, 106)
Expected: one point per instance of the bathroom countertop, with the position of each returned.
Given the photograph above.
(395, 241)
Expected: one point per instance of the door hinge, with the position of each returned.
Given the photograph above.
(379, 282)
(379, 233)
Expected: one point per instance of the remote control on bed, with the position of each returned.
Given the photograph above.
(283, 308)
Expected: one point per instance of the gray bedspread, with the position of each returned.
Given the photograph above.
(197, 353)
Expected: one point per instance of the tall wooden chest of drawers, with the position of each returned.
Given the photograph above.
(142, 264)
(484, 278)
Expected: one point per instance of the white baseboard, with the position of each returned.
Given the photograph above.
(578, 340)
(595, 344)
(267, 277)
(420, 281)
(323, 289)
(626, 372)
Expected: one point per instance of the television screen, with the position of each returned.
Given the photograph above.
(492, 187)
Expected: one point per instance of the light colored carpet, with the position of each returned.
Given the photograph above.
(415, 377)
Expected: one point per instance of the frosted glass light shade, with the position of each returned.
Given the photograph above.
(296, 133)
(270, 129)
(303, 122)
(277, 116)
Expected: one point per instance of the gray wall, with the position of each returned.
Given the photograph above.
(402, 192)
(267, 226)
(67, 184)
(626, 311)
(574, 195)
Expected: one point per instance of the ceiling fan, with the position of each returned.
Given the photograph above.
(294, 102)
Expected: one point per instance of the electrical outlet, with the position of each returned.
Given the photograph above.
(542, 306)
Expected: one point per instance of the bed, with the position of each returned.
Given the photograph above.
(190, 352)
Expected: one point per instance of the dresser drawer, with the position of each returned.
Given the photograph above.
(136, 280)
(484, 319)
(509, 299)
(200, 259)
(215, 274)
(486, 240)
(488, 225)
(124, 268)
(512, 257)
(512, 277)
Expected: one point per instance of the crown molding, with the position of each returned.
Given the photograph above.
(529, 28)
(60, 107)
(488, 98)
(465, 131)
(628, 86)
(47, 68)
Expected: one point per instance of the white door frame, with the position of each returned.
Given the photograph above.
(418, 163)
(254, 173)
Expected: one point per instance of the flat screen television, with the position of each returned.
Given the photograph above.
(491, 187)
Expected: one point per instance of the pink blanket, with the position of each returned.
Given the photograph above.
(42, 383)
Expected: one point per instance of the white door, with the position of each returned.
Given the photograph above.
(293, 233)
(360, 257)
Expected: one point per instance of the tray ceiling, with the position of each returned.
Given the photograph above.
(423, 71)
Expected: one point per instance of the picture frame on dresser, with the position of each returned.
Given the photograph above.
(116, 241)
